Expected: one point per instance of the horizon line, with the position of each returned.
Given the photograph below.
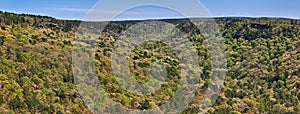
(141, 19)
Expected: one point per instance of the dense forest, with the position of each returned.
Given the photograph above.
(36, 74)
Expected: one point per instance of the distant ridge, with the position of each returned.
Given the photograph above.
(128, 20)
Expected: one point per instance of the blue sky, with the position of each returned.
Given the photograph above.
(77, 9)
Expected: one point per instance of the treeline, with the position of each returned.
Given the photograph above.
(38, 21)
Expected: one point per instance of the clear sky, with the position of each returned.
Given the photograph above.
(77, 9)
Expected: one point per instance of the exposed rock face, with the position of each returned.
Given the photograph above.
(48, 25)
(258, 25)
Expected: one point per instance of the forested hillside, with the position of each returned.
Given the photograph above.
(36, 74)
